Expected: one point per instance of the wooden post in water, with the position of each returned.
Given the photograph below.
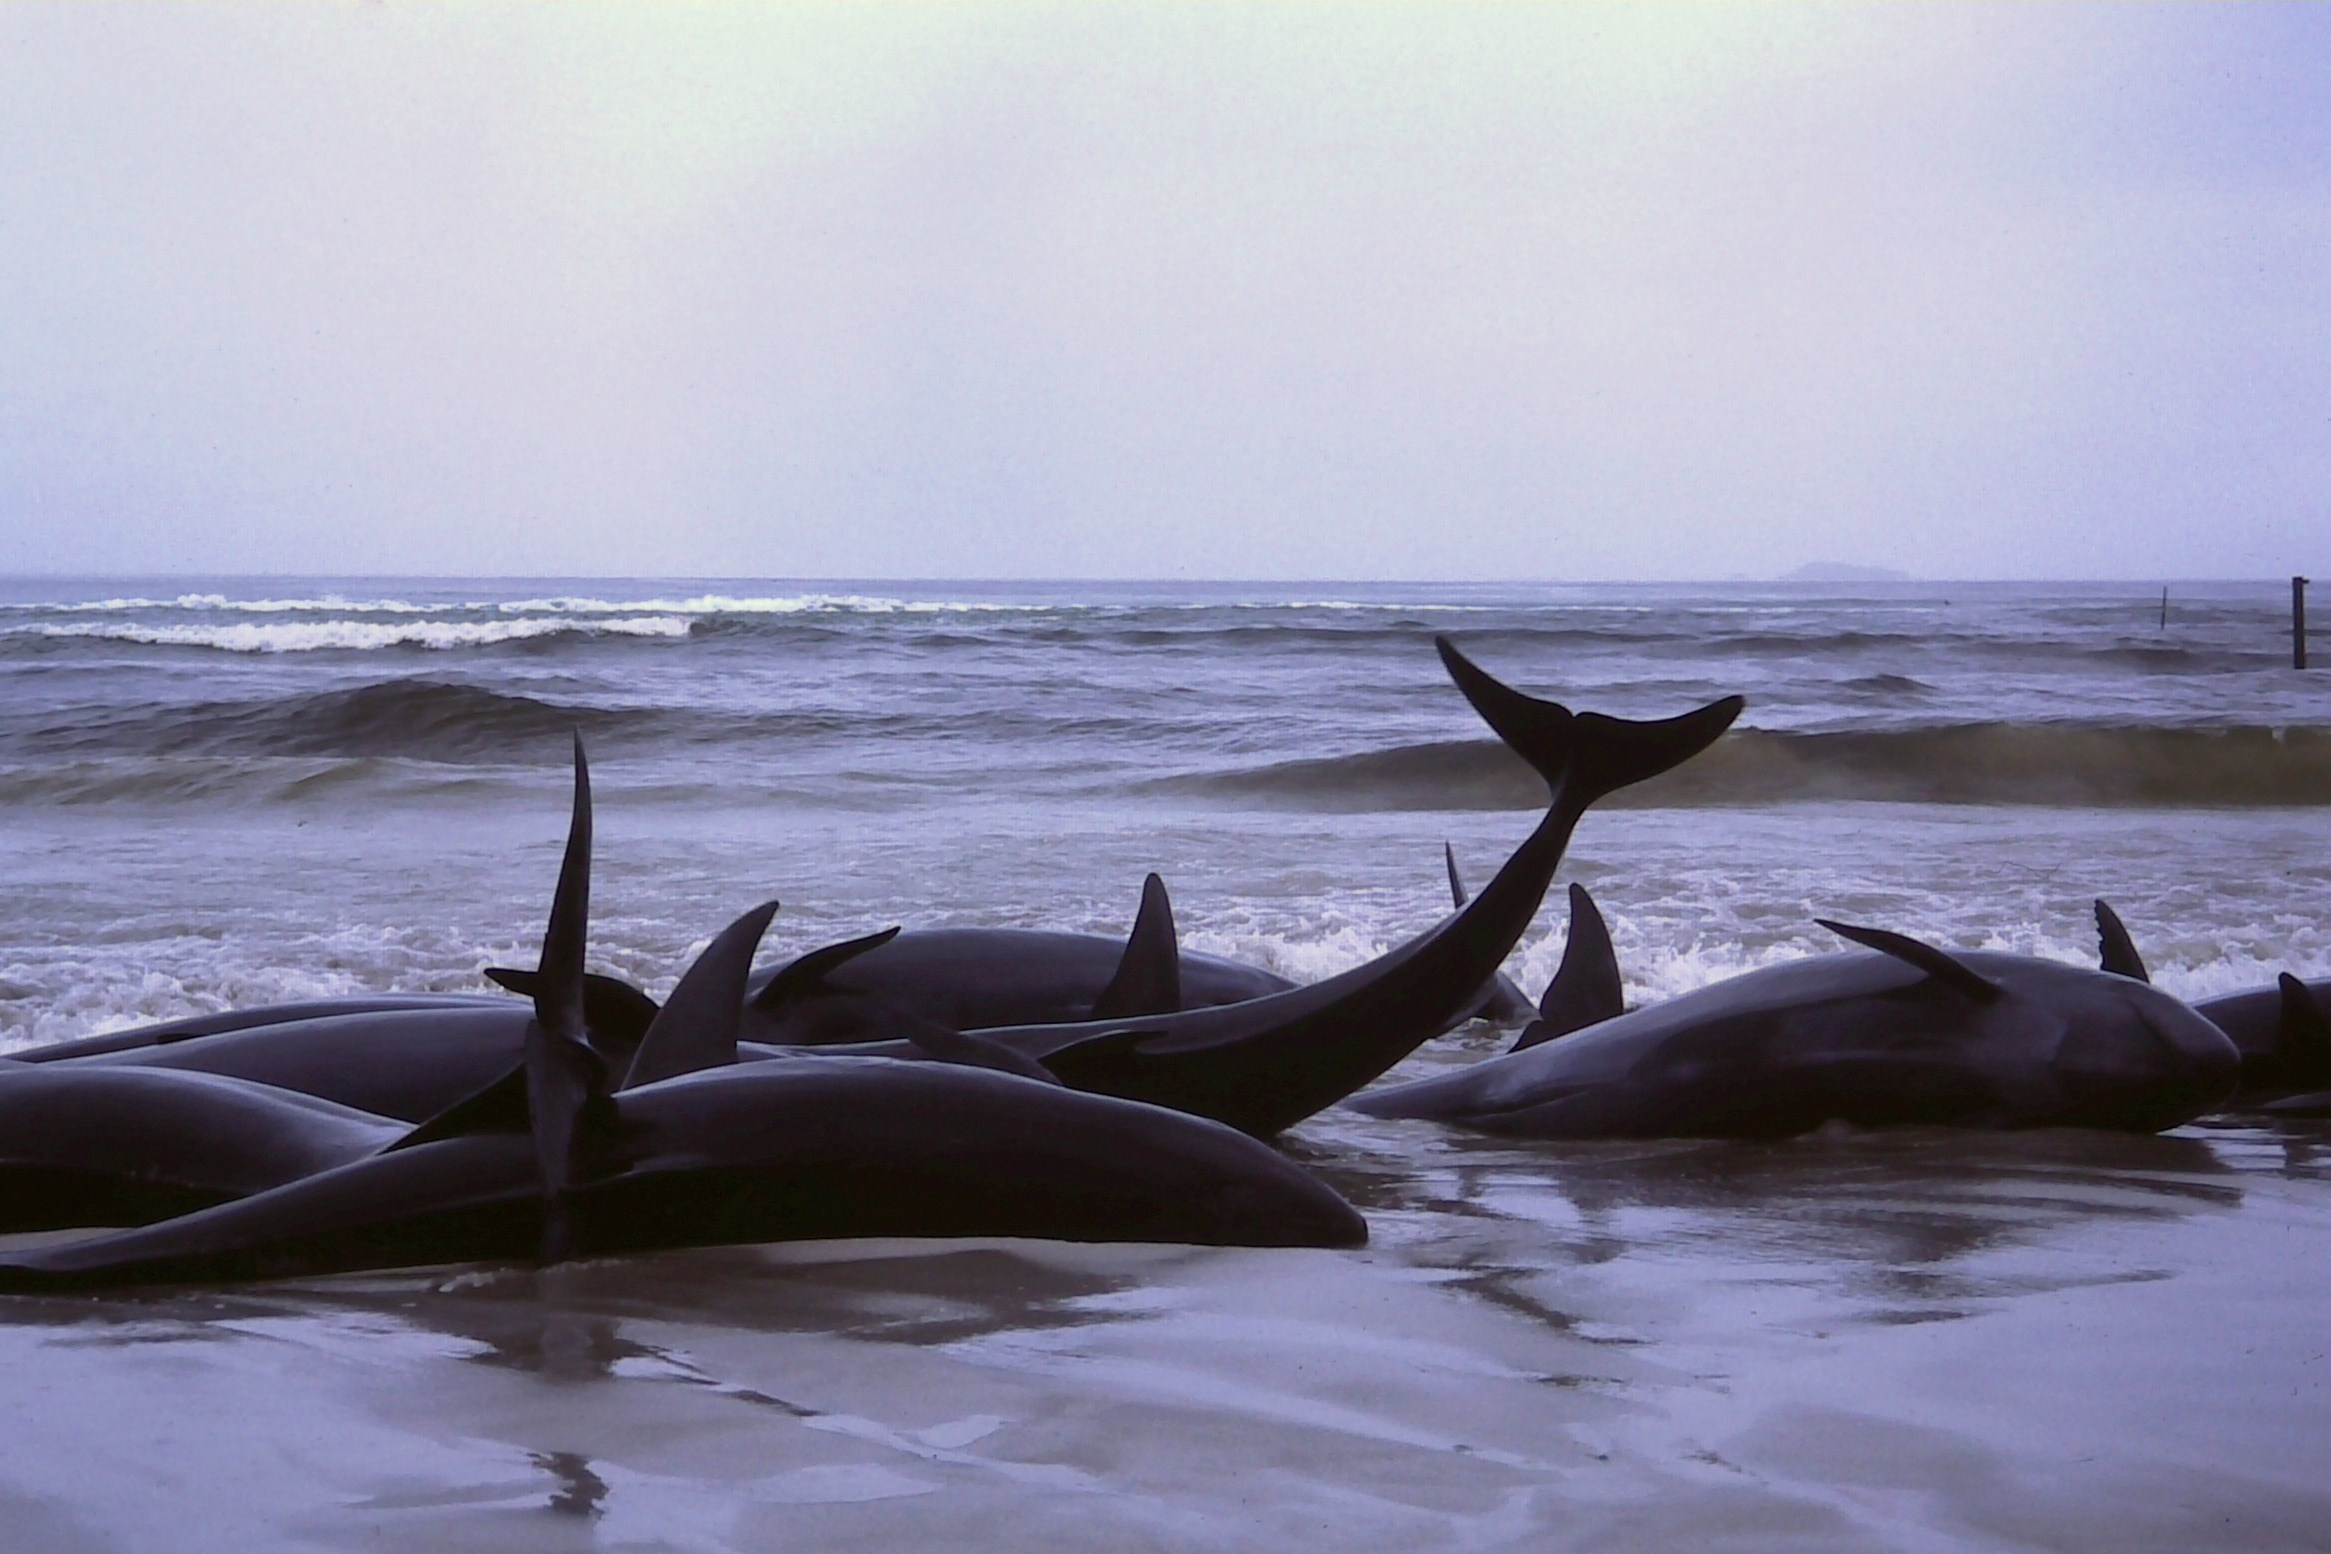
(2298, 623)
(2164, 609)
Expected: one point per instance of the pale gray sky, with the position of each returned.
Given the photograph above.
(1205, 291)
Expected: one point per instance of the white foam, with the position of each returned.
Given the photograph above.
(355, 635)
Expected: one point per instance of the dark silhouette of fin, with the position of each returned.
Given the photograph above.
(807, 971)
(1458, 895)
(1088, 1064)
(697, 1027)
(615, 1014)
(949, 1045)
(2302, 1037)
(499, 1108)
(1149, 975)
(1941, 965)
(2115, 950)
(1585, 755)
(1585, 990)
(567, 1098)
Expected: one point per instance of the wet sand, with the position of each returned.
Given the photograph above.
(1904, 1341)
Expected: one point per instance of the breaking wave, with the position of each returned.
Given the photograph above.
(1975, 763)
(352, 635)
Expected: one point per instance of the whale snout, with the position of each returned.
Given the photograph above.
(2150, 1064)
(1290, 1209)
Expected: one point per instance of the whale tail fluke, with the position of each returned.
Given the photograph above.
(1149, 975)
(1585, 990)
(1585, 755)
(697, 1027)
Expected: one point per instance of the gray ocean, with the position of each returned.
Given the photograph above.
(228, 792)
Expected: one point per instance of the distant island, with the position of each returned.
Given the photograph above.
(1842, 572)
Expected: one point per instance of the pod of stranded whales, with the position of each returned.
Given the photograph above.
(1011, 1083)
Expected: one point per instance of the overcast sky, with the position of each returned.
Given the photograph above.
(1184, 291)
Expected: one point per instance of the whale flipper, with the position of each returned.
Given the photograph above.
(969, 1050)
(1941, 965)
(697, 1027)
(1149, 977)
(2115, 950)
(1585, 990)
(807, 971)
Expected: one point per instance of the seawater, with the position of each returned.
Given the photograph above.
(224, 792)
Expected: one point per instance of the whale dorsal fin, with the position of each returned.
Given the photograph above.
(697, 1027)
(1458, 894)
(970, 1050)
(807, 971)
(615, 1013)
(1585, 990)
(1149, 974)
(2115, 950)
(1941, 965)
(2302, 1035)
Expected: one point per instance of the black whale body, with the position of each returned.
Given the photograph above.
(976, 978)
(1856, 1037)
(88, 1145)
(408, 1064)
(812, 1149)
(2274, 1066)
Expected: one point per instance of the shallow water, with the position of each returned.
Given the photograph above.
(1909, 1341)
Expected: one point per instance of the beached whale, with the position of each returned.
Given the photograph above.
(87, 1145)
(1903, 1033)
(1266, 1064)
(2276, 1029)
(562, 1157)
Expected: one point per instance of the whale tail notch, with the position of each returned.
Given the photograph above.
(1585, 990)
(1149, 975)
(697, 1027)
(1585, 755)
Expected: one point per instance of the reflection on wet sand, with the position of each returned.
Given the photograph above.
(580, 1490)
(1656, 1345)
(1881, 1217)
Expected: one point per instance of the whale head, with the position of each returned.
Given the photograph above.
(2130, 1056)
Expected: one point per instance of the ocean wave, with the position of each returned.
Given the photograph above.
(423, 720)
(353, 635)
(1974, 763)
